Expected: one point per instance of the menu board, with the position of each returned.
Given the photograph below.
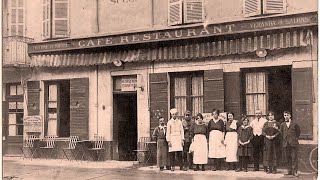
(32, 123)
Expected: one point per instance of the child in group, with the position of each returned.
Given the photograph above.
(159, 134)
(290, 132)
(271, 154)
(245, 134)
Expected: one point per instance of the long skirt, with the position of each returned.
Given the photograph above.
(216, 148)
(200, 149)
(271, 152)
(176, 143)
(231, 142)
(162, 153)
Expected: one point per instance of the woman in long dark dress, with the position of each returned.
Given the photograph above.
(245, 134)
(159, 134)
(271, 133)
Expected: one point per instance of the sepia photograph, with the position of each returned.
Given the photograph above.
(159, 89)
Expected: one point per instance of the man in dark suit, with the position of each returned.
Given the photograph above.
(290, 132)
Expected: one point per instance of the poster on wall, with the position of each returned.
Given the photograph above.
(32, 124)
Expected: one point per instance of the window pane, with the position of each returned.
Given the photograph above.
(12, 118)
(180, 89)
(19, 118)
(53, 92)
(12, 130)
(19, 90)
(19, 130)
(52, 127)
(197, 90)
(256, 83)
(197, 105)
(12, 106)
(19, 105)
(13, 90)
(181, 105)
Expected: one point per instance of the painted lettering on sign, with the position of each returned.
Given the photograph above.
(122, 1)
(32, 124)
(128, 84)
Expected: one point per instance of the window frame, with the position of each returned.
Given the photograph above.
(183, 12)
(16, 24)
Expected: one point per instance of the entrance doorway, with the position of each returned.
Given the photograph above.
(125, 125)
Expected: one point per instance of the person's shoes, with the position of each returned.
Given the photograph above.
(203, 169)
(161, 169)
(197, 168)
(288, 173)
(214, 169)
(190, 167)
(185, 169)
(172, 168)
(181, 167)
(295, 173)
(245, 170)
(238, 170)
(255, 170)
(168, 167)
(274, 170)
(227, 169)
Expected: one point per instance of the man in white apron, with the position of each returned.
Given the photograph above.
(175, 138)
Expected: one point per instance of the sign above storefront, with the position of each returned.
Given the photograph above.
(32, 124)
(178, 33)
(128, 84)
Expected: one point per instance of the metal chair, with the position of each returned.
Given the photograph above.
(98, 146)
(142, 151)
(73, 140)
(28, 143)
(50, 144)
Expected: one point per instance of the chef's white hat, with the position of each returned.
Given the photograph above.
(173, 111)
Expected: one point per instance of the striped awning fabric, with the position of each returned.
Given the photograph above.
(288, 39)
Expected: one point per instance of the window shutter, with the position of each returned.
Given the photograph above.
(232, 93)
(174, 12)
(251, 7)
(213, 94)
(33, 100)
(193, 11)
(16, 18)
(5, 109)
(60, 18)
(79, 107)
(158, 98)
(274, 6)
(46, 24)
(302, 100)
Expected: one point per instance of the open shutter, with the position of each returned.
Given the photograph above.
(193, 11)
(60, 17)
(174, 12)
(302, 100)
(79, 107)
(213, 94)
(5, 123)
(158, 98)
(16, 17)
(33, 98)
(232, 93)
(274, 6)
(46, 24)
(251, 7)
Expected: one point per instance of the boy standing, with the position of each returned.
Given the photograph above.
(290, 132)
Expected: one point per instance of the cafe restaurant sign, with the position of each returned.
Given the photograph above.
(178, 33)
(32, 124)
(128, 84)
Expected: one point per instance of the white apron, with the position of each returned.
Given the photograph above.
(200, 149)
(231, 142)
(175, 134)
(216, 148)
(176, 143)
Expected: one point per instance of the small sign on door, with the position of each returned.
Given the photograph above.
(128, 84)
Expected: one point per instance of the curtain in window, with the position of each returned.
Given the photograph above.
(52, 111)
(197, 95)
(256, 92)
(180, 93)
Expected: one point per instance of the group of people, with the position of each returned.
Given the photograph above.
(190, 142)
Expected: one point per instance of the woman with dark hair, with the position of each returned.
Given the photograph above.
(200, 146)
(231, 141)
(217, 149)
(271, 154)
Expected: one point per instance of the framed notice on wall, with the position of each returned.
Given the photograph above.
(32, 123)
(128, 83)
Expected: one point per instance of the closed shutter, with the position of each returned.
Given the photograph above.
(193, 11)
(46, 24)
(174, 12)
(60, 17)
(16, 17)
(251, 7)
(158, 98)
(302, 100)
(232, 93)
(79, 107)
(274, 6)
(213, 94)
(5, 109)
(33, 97)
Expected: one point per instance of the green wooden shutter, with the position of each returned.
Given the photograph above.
(213, 93)
(174, 12)
(46, 24)
(274, 6)
(251, 7)
(79, 107)
(232, 93)
(33, 100)
(158, 98)
(193, 11)
(60, 18)
(302, 100)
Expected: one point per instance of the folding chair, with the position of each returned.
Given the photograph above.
(50, 144)
(98, 146)
(28, 143)
(142, 151)
(73, 140)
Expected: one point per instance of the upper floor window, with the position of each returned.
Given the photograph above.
(55, 19)
(258, 7)
(16, 18)
(185, 11)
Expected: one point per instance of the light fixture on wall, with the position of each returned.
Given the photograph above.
(117, 62)
(261, 52)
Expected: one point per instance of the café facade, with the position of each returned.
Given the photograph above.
(118, 85)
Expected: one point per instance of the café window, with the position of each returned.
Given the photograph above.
(187, 92)
(14, 96)
(260, 7)
(185, 11)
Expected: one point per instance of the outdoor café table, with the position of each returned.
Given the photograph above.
(152, 150)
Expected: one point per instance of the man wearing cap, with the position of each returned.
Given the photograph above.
(175, 138)
(187, 124)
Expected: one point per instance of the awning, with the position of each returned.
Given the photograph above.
(272, 41)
